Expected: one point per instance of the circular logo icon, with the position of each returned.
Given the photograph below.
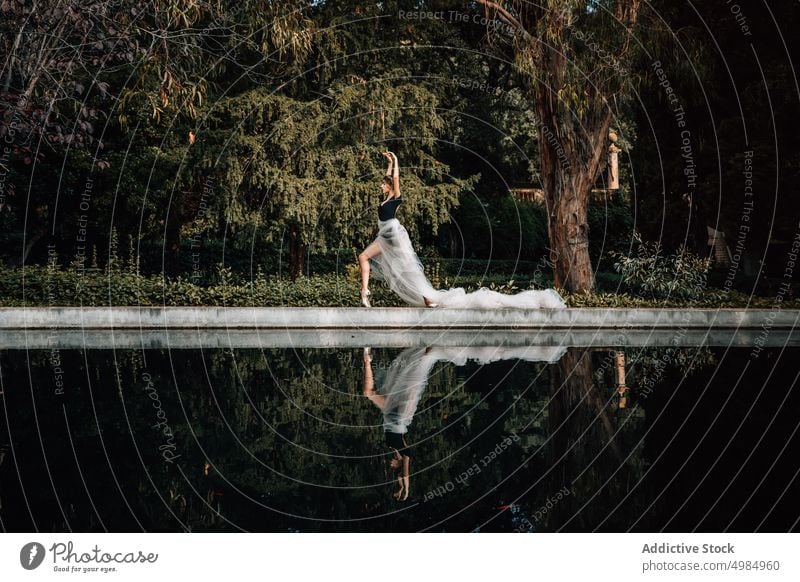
(31, 555)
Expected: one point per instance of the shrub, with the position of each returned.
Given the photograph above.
(681, 275)
(52, 286)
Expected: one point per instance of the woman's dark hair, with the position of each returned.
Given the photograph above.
(388, 181)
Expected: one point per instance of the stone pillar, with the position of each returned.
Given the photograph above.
(613, 162)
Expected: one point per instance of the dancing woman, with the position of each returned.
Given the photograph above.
(391, 252)
(391, 258)
(397, 398)
(400, 393)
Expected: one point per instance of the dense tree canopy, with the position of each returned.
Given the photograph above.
(255, 128)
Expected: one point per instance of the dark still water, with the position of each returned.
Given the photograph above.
(439, 439)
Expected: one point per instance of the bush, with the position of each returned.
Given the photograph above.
(682, 275)
(709, 300)
(57, 286)
(52, 285)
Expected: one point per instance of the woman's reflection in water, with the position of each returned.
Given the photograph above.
(397, 399)
(400, 393)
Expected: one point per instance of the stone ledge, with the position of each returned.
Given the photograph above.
(405, 318)
(177, 339)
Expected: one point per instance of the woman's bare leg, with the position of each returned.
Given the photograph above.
(372, 250)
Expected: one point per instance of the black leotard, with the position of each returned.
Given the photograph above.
(396, 441)
(388, 208)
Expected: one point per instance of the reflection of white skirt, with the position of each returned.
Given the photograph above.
(409, 372)
(399, 266)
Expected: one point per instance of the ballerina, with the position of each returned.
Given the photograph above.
(400, 393)
(391, 258)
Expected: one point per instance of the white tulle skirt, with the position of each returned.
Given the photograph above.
(399, 266)
(409, 372)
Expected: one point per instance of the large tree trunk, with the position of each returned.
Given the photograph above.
(573, 113)
(571, 153)
(570, 163)
(569, 238)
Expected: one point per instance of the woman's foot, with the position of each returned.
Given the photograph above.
(429, 303)
(365, 298)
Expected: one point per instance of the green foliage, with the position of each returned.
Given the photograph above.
(290, 103)
(611, 228)
(500, 228)
(683, 274)
(79, 284)
(315, 166)
(711, 299)
(692, 61)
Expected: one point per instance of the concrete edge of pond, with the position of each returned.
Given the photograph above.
(193, 339)
(406, 318)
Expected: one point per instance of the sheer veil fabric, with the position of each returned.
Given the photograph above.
(399, 266)
(408, 375)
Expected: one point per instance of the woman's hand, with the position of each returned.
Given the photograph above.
(401, 494)
(394, 171)
(390, 167)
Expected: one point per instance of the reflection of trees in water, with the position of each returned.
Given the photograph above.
(720, 446)
(35, 412)
(268, 421)
(264, 421)
(337, 420)
(597, 450)
(648, 365)
(588, 443)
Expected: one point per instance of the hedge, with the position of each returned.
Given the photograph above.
(52, 286)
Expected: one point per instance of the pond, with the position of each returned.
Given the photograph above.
(526, 438)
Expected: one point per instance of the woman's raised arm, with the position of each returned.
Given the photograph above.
(389, 156)
(395, 176)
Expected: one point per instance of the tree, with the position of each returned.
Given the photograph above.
(733, 87)
(573, 55)
(307, 170)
